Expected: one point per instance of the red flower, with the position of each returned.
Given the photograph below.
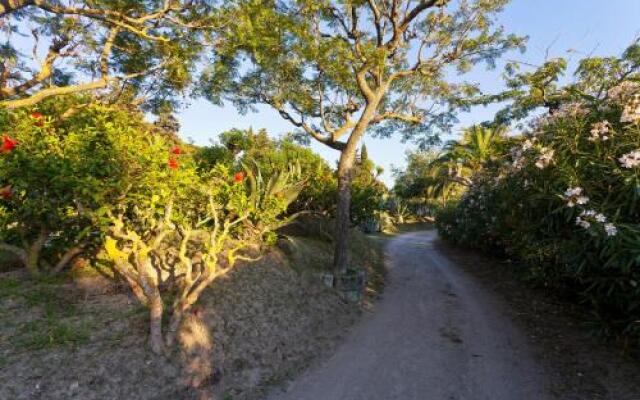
(6, 192)
(8, 144)
(176, 150)
(238, 177)
(38, 117)
(173, 163)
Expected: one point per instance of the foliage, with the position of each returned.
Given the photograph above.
(268, 198)
(257, 149)
(442, 176)
(61, 175)
(565, 202)
(337, 70)
(320, 63)
(130, 46)
(368, 193)
(529, 90)
(181, 229)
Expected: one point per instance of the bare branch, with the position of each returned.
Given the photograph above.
(65, 90)
(413, 119)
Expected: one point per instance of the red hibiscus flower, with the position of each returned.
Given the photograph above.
(6, 192)
(173, 163)
(176, 150)
(8, 144)
(38, 117)
(238, 177)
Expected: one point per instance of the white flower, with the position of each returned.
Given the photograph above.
(600, 131)
(601, 218)
(582, 200)
(527, 144)
(631, 112)
(576, 191)
(518, 163)
(610, 229)
(545, 159)
(630, 160)
(623, 91)
(574, 196)
(583, 223)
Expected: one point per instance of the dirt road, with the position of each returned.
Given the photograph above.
(435, 335)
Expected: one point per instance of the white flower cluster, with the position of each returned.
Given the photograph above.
(630, 160)
(518, 154)
(587, 217)
(569, 110)
(631, 112)
(623, 91)
(527, 145)
(546, 158)
(600, 131)
(574, 196)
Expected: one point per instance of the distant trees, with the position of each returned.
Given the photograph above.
(442, 175)
(339, 69)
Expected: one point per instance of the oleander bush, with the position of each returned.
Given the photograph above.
(564, 201)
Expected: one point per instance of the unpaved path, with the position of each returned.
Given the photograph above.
(435, 335)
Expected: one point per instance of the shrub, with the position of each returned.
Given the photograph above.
(565, 202)
(179, 230)
(59, 173)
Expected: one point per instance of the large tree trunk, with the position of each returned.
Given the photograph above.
(343, 218)
(345, 169)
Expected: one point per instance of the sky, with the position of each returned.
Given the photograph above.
(573, 29)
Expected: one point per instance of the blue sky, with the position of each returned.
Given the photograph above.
(565, 28)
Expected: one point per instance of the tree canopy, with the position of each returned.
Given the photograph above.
(145, 50)
(327, 66)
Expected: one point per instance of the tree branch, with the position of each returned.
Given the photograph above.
(413, 119)
(64, 90)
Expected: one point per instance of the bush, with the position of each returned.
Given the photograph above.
(179, 229)
(59, 175)
(565, 203)
(270, 156)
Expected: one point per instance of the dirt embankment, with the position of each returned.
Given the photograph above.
(87, 339)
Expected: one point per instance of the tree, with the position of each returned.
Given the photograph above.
(125, 48)
(531, 87)
(338, 69)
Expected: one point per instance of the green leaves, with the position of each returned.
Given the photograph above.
(572, 217)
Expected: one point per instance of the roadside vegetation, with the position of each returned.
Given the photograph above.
(561, 196)
(246, 257)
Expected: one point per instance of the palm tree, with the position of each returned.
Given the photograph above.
(461, 159)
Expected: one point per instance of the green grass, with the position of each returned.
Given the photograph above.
(51, 314)
(51, 332)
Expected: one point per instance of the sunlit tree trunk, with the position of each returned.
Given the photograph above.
(345, 172)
